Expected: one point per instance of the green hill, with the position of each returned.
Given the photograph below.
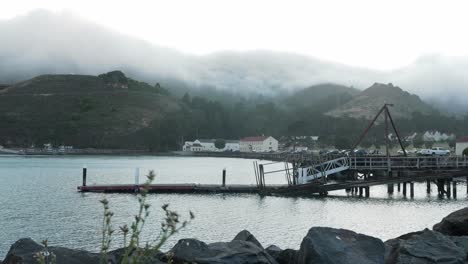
(320, 98)
(105, 111)
(367, 103)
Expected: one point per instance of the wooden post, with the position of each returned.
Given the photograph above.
(448, 188)
(440, 187)
(398, 187)
(404, 189)
(390, 188)
(360, 191)
(260, 167)
(367, 191)
(137, 176)
(412, 189)
(454, 185)
(466, 183)
(428, 186)
(224, 177)
(84, 175)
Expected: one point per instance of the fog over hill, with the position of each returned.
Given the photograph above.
(42, 42)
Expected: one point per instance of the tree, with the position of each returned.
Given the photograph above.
(465, 152)
(429, 144)
(342, 143)
(186, 99)
(418, 141)
(452, 143)
(220, 143)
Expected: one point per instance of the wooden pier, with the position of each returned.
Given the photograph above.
(177, 188)
(360, 173)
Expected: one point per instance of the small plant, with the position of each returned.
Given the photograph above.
(44, 256)
(133, 252)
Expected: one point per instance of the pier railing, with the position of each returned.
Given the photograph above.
(408, 163)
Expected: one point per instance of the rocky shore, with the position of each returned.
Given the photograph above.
(446, 243)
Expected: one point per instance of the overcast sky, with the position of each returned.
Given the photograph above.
(375, 34)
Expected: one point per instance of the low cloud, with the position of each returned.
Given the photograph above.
(42, 42)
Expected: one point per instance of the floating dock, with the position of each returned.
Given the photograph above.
(178, 188)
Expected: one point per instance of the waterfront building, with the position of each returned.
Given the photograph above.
(209, 145)
(461, 145)
(258, 144)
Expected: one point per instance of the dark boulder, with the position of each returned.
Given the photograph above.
(148, 257)
(236, 251)
(245, 235)
(333, 246)
(461, 242)
(287, 256)
(23, 251)
(455, 224)
(424, 247)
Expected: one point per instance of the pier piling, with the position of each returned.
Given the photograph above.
(448, 188)
(137, 176)
(404, 189)
(224, 177)
(428, 186)
(367, 191)
(390, 188)
(398, 187)
(84, 175)
(360, 191)
(454, 189)
(411, 189)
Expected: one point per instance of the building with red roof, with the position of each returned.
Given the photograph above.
(258, 144)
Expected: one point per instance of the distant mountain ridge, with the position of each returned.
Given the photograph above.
(367, 103)
(109, 110)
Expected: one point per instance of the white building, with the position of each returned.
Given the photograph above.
(461, 145)
(209, 145)
(436, 136)
(232, 145)
(258, 144)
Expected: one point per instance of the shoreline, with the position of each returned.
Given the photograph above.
(447, 241)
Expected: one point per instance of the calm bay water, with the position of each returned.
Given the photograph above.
(38, 199)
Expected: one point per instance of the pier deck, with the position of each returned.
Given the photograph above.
(179, 188)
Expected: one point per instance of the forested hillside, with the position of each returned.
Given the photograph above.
(113, 111)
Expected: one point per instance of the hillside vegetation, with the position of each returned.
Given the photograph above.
(367, 103)
(113, 111)
(84, 111)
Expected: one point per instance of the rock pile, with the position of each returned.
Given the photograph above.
(446, 243)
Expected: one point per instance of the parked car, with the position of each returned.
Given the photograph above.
(435, 151)
(333, 152)
(360, 152)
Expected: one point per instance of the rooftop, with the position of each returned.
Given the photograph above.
(250, 139)
(462, 139)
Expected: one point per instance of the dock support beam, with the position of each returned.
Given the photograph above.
(398, 187)
(404, 189)
(367, 191)
(440, 187)
(428, 186)
(224, 177)
(412, 189)
(448, 188)
(360, 191)
(454, 189)
(84, 175)
(390, 188)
